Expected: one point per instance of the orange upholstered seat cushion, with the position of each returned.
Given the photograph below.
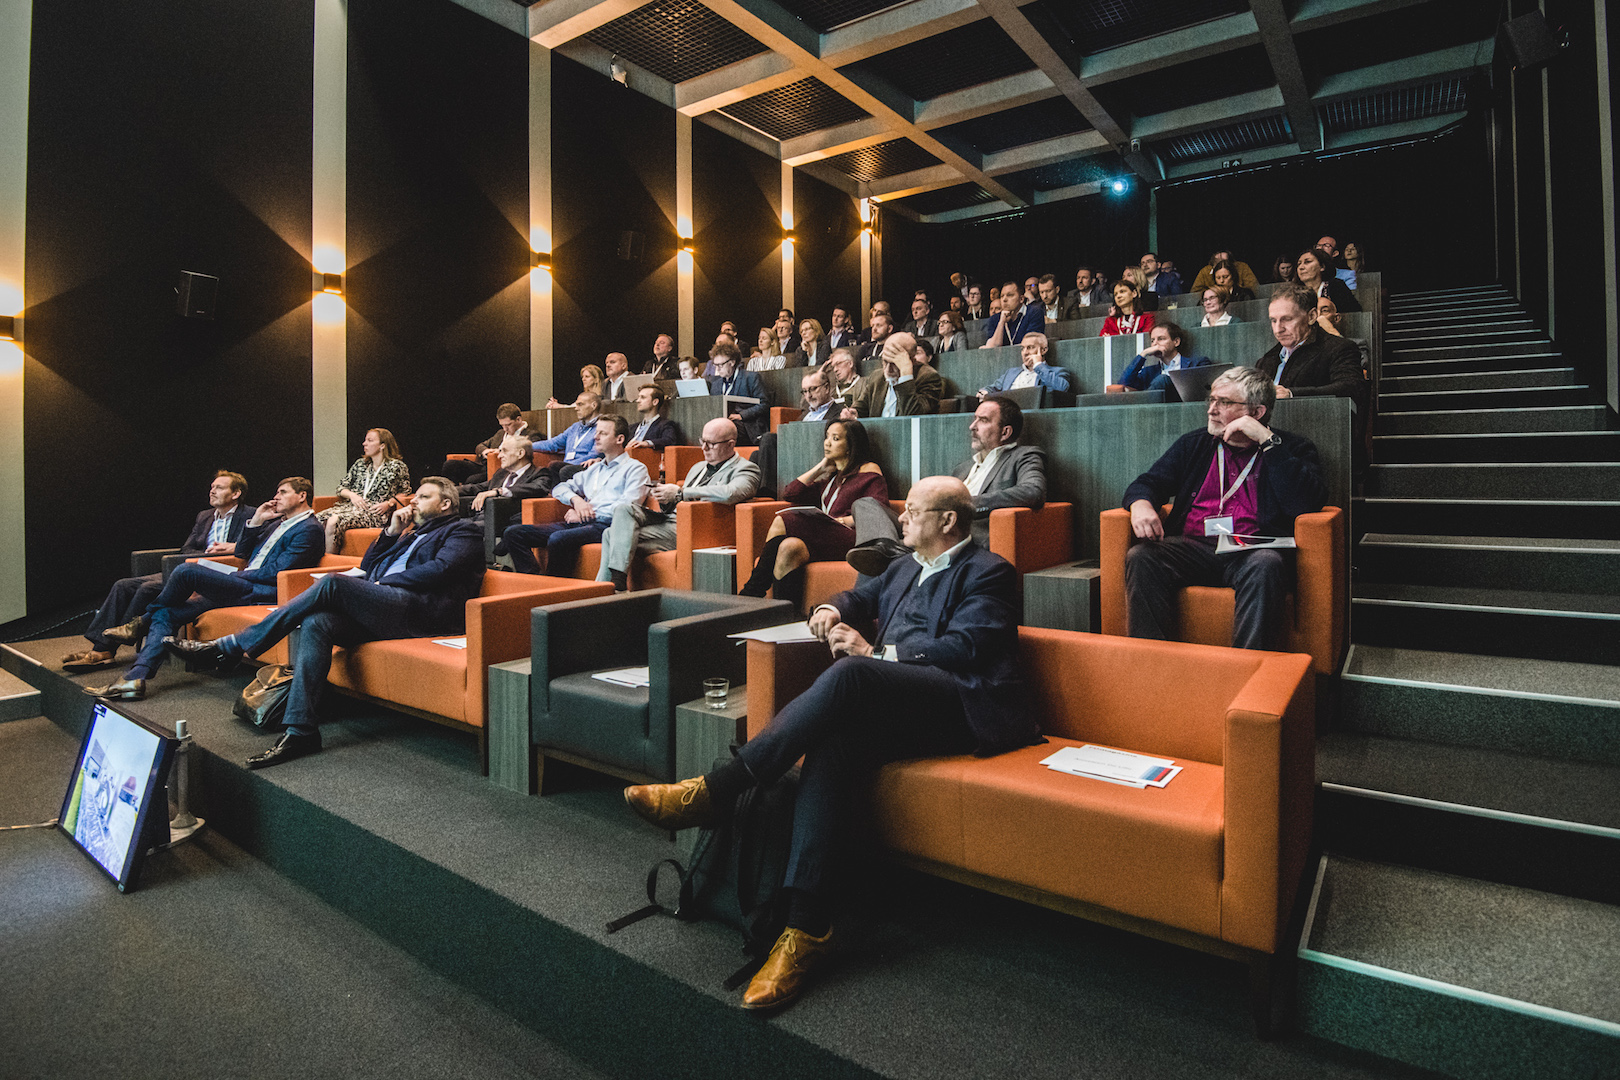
(409, 671)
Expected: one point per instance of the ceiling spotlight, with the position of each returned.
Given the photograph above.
(1118, 187)
(620, 73)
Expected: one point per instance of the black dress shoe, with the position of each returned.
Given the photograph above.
(200, 655)
(288, 747)
(874, 556)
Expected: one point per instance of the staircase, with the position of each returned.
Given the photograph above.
(1466, 915)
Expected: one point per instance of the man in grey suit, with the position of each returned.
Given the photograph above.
(1000, 473)
(723, 476)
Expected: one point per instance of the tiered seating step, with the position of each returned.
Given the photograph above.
(1498, 446)
(1579, 627)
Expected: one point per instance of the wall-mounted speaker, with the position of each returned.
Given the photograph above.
(632, 245)
(196, 295)
(1528, 43)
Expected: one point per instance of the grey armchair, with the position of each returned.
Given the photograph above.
(630, 733)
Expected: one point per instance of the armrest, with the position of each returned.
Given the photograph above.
(778, 673)
(1033, 539)
(291, 584)
(700, 524)
(462, 457)
(499, 628)
(323, 502)
(149, 561)
(1116, 539)
(781, 415)
(541, 459)
(570, 637)
(1320, 600)
(753, 522)
(1116, 388)
(543, 511)
(1269, 765)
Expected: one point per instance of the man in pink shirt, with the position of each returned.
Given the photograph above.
(1236, 476)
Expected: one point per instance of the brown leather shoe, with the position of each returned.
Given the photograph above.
(684, 805)
(128, 634)
(794, 956)
(122, 690)
(89, 660)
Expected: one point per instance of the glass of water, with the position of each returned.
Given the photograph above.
(715, 691)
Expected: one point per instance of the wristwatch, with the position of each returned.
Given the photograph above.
(1274, 441)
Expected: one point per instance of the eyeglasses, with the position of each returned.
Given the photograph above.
(913, 511)
(707, 445)
(1225, 403)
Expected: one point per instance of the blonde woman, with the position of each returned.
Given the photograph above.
(366, 496)
(768, 356)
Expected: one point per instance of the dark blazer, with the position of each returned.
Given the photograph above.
(1324, 366)
(974, 638)
(1018, 478)
(1290, 481)
(1139, 373)
(842, 339)
(755, 418)
(1033, 318)
(495, 440)
(1342, 297)
(301, 546)
(661, 370)
(662, 433)
(447, 567)
(529, 486)
(919, 397)
(197, 542)
(801, 358)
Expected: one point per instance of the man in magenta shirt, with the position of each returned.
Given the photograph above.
(1236, 476)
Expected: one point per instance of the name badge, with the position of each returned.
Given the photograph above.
(891, 654)
(1215, 526)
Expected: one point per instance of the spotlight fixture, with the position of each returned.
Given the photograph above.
(1118, 187)
(540, 260)
(10, 327)
(620, 73)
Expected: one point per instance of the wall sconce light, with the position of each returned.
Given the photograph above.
(866, 230)
(540, 260)
(790, 236)
(11, 328)
(687, 246)
(332, 283)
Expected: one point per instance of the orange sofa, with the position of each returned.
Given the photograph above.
(697, 525)
(1029, 539)
(230, 620)
(1317, 615)
(1214, 860)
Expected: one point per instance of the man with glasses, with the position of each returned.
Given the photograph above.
(817, 392)
(1235, 476)
(723, 476)
(940, 676)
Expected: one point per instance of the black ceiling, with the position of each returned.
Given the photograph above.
(796, 109)
(883, 160)
(823, 15)
(945, 200)
(1034, 122)
(1395, 35)
(1193, 83)
(954, 60)
(675, 39)
(1086, 170)
(1228, 139)
(1395, 106)
(1091, 26)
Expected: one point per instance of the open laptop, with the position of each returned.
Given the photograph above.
(634, 383)
(691, 388)
(1192, 384)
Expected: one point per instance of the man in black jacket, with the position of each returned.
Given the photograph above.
(417, 578)
(1305, 362)
(1240, 477)
(215, 532)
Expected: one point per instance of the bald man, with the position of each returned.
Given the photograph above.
(939, 677)
(722, 476)
(616, 366)
(901, 387)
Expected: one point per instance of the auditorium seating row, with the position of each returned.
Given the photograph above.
(1368, 288)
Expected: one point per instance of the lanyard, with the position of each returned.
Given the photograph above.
(370, 482)
(1220, 454)
(829, 495)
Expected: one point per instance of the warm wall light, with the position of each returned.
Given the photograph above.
(686, 246)
(540, 260)
(332, 283)
(10, 328)
(790, 237)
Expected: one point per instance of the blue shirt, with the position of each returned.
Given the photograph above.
(607, 485)
(577, 444)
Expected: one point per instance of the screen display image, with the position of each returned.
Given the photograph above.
(120, 764)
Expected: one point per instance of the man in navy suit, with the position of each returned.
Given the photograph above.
(418, 576)
(1015, 319)
(652, 428)
(215, 532)
(751, 420)
(282, 535)
(939, 676)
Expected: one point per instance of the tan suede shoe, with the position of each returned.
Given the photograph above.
(127, 634)
(672, 806)
(122, 690)
(794, 956)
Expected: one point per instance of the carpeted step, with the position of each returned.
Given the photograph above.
(18, 700)
(1587, 417)
(1406, 340)
(1578, 627)
(1454, 294)
(1536, 480)
(1508, 562)
(1509, 325)
(1453, 349)
(1535, 357)
(1550, 708)
(1498, 446)
(1519, 980)
(1476, 380)
(1488, 517)
(1477, 315)
(1490, 813)
(1524, 395)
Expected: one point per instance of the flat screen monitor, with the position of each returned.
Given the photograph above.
(117, 807)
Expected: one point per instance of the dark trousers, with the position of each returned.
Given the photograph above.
(336, 610)
(860, 714)
(129, 597)
(175, 606)
(561, 540)
(458, 471)
(1155, 570)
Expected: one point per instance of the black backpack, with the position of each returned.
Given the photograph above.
(264, 700)
(736, 874)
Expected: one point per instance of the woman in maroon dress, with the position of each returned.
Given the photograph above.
(825, 528)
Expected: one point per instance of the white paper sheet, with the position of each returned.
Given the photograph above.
(787, 632)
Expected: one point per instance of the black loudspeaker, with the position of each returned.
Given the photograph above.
(1528, 43)
(196, 295)
(631, 245)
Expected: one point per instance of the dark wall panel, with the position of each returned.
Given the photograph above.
(613, 173)
(1103, 230)
(162, 137)
(827, 254)
(438, 190)
(737, 230)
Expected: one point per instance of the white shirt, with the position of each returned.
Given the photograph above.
(930, 567)
(516, 475)
(266, 547)
(891, 401)
(984, 463)
(1226, 317)
(1027, 377)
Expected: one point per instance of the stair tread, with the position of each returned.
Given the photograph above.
(1555, 951)
(1575, 434)
(1560, 679)
(1512, 600)
(1580, 793)
(1498, 543)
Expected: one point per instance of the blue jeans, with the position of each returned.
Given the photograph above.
(562, 542)
(174, 608)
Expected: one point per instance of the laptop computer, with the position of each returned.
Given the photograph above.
(1192, 384)
(691, 388)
